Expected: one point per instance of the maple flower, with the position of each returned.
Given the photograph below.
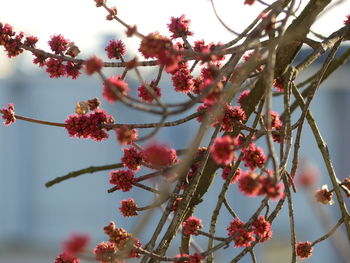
(242, 97)
(30, 41)
(125, 135)
(132, 158)
(72, 70)
(117, 83)
(191, 225)
(179, 26)
(304, 250)
(269, 187)
(183, 80)
(231, 115)
(181, 256)
(145, 95)
(55, 68)
(13, 45)
(128, 208)
(253, 156)
(76, 243)
(278, 83)
(88, 126)
(123, 180)
(115, 49)
(242, 237)
(196, 258)
(66, 258)
(105, 251)
(93, 64)
(58, 44)
(40, 60)
(249, 183)
(222, 150)
(262, 229)
(153, 44)
(347, 20)
(8, 114)
(159, 155)
(227, 170)
(324, 196)
(249, 2)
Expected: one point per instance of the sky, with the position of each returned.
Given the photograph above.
(81, 22)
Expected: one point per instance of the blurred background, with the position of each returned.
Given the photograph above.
(35, 220)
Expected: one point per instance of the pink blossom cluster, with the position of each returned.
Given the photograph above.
(8, 114)
(191, 225)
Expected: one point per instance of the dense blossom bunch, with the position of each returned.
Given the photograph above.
(112, 86)
(242, 236)
(347, 20)
(132, 158)
(129, 207)
(222, 150)
(191, 225)
(195, 258)
(146, 95)
(8, 114)
(182, 80)
(88, 125)
(231, 116)
(105, 251)
(253, 156)
(126, 135)
(249, 183)
(93, 64)
(242, 97)
(179, 26)
(115, 49)
(262, 229)
(122, 179)
(58, 44)
(324, 196)
(76, 244)
(66, 258)
(159, 155)
(227, 171)
(304, 249)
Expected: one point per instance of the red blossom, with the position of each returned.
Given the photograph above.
(249, 2)
(30, 41)
(128, 208)
(183, 80)
(39, 59)
(66, 258)
(114, 83)
(196, 258)
(76, 243)
(72, 70)
(126, 135)
(131, 31)
(269, 187)
(227, 170)
(242, 237)
(144, 93)
(347, 20)
(105, 251)
(55, 68)
(222, 150)
(132, 158)
(115, 49)
(58, 44)
(242, 97)
(308, 175)
(253, 156)
(278, 83)
(262, 229)
(183, 255)
(231, 115)
(191, 225)
(304, 250)
(159, 155)
(324, 196)
(100, 3)
(179, 26)
(123, 180)
(8, 114)
(88, 126)
(249, 183)
(93, 64)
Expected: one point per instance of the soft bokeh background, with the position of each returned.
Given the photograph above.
(34, 220)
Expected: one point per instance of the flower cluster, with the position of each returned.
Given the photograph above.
(242, 236)
(119, 241)
(226, 172)
(66, 258)
(158, 155)
(179, 26)
(88, 125)
(132, 158)
(222, 150)
(112, 87)
(191, 225)
(304, 249)
(146, 95)
(122, 179)
(115, 49)
(58, 44)
(126, 135)
(8, 114)
(324, 196)
(195, 258)
(253, 156)
(128, 208)
(93, 64)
